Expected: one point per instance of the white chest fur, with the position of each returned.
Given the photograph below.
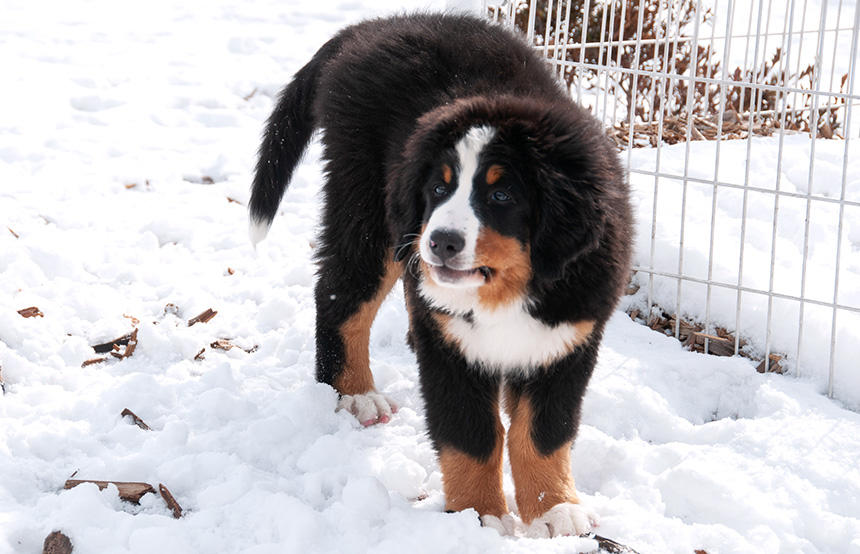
(505, 339)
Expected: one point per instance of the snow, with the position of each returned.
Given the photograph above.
(677, 451)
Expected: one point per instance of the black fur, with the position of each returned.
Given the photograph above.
(393, 96)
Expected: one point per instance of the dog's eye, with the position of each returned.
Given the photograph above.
(500, 196)
(440, 190)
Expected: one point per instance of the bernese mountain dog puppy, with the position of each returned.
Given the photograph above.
(456, 162)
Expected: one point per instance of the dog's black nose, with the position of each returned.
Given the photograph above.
(446, 243)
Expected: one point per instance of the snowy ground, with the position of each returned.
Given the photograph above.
(677, 451)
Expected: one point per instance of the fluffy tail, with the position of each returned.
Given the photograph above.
(285, 138)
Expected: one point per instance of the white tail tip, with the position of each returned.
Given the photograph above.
(258, 230)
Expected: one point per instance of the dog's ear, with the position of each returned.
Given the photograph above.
(405, 206)
(575, 174)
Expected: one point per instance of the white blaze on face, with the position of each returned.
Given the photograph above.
(456, 212)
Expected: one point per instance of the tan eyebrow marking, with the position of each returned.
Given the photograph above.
(447, 173)
(494, 173)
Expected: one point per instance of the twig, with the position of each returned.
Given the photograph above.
(136, 420)
(2, 383)
(13, 233)
(130, 491)
(203, 317)
(170, 501)
(92, 361)
(199, 355)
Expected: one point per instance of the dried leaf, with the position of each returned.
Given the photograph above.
(57, 543)
(129, 491)
(136, 420)
(32, 311)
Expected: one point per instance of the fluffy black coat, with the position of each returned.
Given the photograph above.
(392, 97)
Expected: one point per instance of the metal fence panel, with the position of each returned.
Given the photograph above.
(758, 79)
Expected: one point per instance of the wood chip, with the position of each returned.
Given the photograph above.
(92, 361)
(199, 355)
(14, 234)
(773, 367)
(32, 311)
(203, 317)
(136, 420)
(232, 200)
(106, 347)
(130, 345)
(134, 320)
(230, 271)
(129, 491)
(130, 186)
(170, 501)
(57, 543)
(718, 346)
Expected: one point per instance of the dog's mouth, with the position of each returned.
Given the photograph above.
(445, 275)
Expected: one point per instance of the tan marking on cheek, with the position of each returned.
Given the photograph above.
(510, 263)
(447, 174)
(494, 173)
(541, 481)
(356, 377)
(472, 483)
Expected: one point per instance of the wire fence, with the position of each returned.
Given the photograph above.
(735, 122)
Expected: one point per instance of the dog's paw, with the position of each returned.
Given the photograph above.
(369, 408)
(563, 519)
(505, 525)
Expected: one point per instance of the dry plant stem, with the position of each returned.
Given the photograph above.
(129, 491)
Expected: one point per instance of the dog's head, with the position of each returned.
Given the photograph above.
(502, 194)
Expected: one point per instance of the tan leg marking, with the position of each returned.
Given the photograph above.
(510, 263)
(541, 481)
(471, 483)
(356, 377)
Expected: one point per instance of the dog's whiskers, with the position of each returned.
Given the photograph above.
(399, 248)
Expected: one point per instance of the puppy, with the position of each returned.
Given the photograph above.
(456, 162)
